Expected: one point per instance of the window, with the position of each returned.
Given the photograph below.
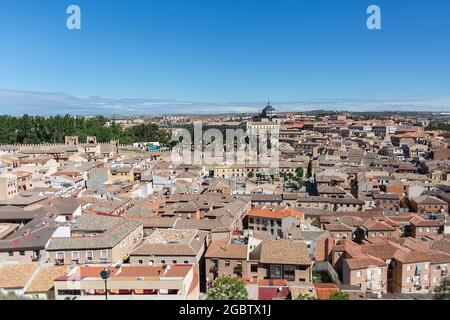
(174, 261)
(186, 262)
(60, 255)
(289, 273)
(251, 220)
(419, 268)
(163, 261)
(140, 261)
(358, 274)
(104, 254)
(380, 271)
(254, 268)
(358, 285)
(277, 271)
(75, 255)
(22, 253)
(151, 262)
(11, 254)
(89, 256)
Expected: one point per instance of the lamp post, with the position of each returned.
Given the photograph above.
(105, 275)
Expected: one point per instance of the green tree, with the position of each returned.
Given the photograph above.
(228, 288)
(339, 296)
(321, 150)
(442, 292)
(299, 172)
(34, 130)
(438, 126)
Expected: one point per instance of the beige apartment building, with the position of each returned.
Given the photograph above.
(171, 246)
(8, 186)
(131, 282)
(269, 259)
(392, 267)
(95, 239)
(244, 170)
(412, 273)
(366, 274)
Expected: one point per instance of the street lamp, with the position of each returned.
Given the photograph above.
(105, 275)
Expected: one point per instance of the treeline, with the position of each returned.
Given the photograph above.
(438, 126)
(36, 129)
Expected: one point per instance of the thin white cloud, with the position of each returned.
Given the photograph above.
(20, 102)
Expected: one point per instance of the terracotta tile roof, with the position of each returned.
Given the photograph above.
(418, 221)
(272, 282)
(222, 249)
(275, 214)
(330, 190)
(337, 227)
(377, 225)
(429, 200)
(284, 252)
(177, 242)
(324, 290)
(439, 257)
(363, 263)
(128, 272)
(43, 281)
(441, 245)
(15, 276)
(411, 256)
(382, 251)
(352, 221)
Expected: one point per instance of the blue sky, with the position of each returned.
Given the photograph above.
(226, 51)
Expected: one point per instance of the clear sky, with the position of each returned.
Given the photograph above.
(227, 50)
